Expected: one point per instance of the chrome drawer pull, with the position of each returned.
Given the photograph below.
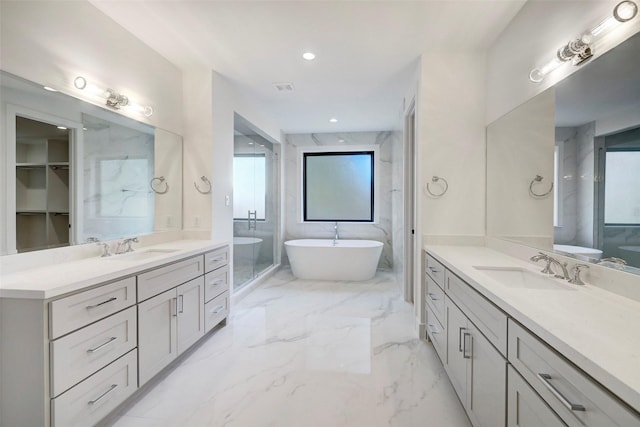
(546, 380)
(96, 400)
(432, 297)
(464, 349)
(433, 329)
(102, 303)
(181, 301)
(217, 309)
(460, 338)
(434, 270)
(174, 307)
(217, 282)
(216, 259)
(110, 340)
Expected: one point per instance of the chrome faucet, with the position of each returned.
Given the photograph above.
(576, 280)
(543, 257)
(125, 245)
(336, 236)
(614, 260)
(563, 265)
(105, 249)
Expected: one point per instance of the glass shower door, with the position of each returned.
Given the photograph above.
(253, 205)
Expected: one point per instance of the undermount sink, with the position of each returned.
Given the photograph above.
(517, 277)
(141, 255)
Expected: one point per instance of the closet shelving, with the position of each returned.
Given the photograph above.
(42, 193)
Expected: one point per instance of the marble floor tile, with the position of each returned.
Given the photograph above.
(300, 353)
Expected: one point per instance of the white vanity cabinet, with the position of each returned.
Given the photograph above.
(525, 407)
(466, 330)
(71, 359)
(571, 394)
(171, 321)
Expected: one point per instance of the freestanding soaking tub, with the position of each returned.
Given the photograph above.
(320, 259)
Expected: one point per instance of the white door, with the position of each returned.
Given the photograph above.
(456, 326)
(157, 339)
(190, 313)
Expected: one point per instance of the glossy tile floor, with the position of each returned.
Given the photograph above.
(300, 353)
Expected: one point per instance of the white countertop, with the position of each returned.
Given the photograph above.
(55, 280)
(595, 329)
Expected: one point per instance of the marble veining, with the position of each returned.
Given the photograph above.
(307, 353)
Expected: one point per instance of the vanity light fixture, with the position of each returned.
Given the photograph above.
(579, 50)
(112, 98)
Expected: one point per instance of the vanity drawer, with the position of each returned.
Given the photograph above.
(560, 384)
(434, 269)
(80, 354)
(215, 311)
(437, 334)
(216, 259)
(75, 311)
(94, 398)
(435, 297)
(487, 317)
(216, 282)
(161, 279)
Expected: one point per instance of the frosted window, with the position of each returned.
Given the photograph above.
(338, 186)
(249, 180)
(622, 180)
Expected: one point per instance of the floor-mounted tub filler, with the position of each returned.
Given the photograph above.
(328, 259)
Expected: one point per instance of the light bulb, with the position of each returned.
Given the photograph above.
(538, 74)
(625, 11)
(333, 120)
(309, 56)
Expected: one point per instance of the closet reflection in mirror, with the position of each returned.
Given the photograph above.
(594, 155)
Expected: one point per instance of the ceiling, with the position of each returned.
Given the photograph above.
(366, 51)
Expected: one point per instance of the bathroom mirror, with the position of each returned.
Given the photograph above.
(120, 177)
(576, 147)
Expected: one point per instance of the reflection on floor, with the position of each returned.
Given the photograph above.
(244, 273)
(308, 354)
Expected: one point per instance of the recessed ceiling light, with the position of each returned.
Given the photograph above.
(333, 120)
(309, 56)
(50, 89)
(341, 140)
(62, 128)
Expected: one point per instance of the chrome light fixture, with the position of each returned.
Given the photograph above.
(579, 50)
(113, 99)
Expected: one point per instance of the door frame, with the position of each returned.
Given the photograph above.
(409, 202)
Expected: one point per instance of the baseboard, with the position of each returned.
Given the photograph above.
(422, 331)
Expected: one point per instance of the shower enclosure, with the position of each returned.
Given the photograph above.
(255, 177)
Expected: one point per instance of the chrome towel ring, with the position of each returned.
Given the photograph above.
(207, 182)
(435, 180)
(159, 181)
(534, 181)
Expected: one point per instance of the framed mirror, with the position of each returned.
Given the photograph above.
(577, 147)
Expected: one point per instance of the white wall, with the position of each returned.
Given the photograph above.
(532, 39)
(452, 139)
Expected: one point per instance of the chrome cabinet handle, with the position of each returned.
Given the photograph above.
(110, 340)
(464, 348)
(174, 307)
(89, 307)
(460, 338)
(546, 380)
(433, 329)
(216, 259)
(432, 297)
(97, 399)
(181, 300)
(434, 270)
(217, 282)
(217, 309)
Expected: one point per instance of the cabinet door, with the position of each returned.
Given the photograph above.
(157, 339)
(486, 380)
(190, 313)
(456, 325)
(525, 407)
